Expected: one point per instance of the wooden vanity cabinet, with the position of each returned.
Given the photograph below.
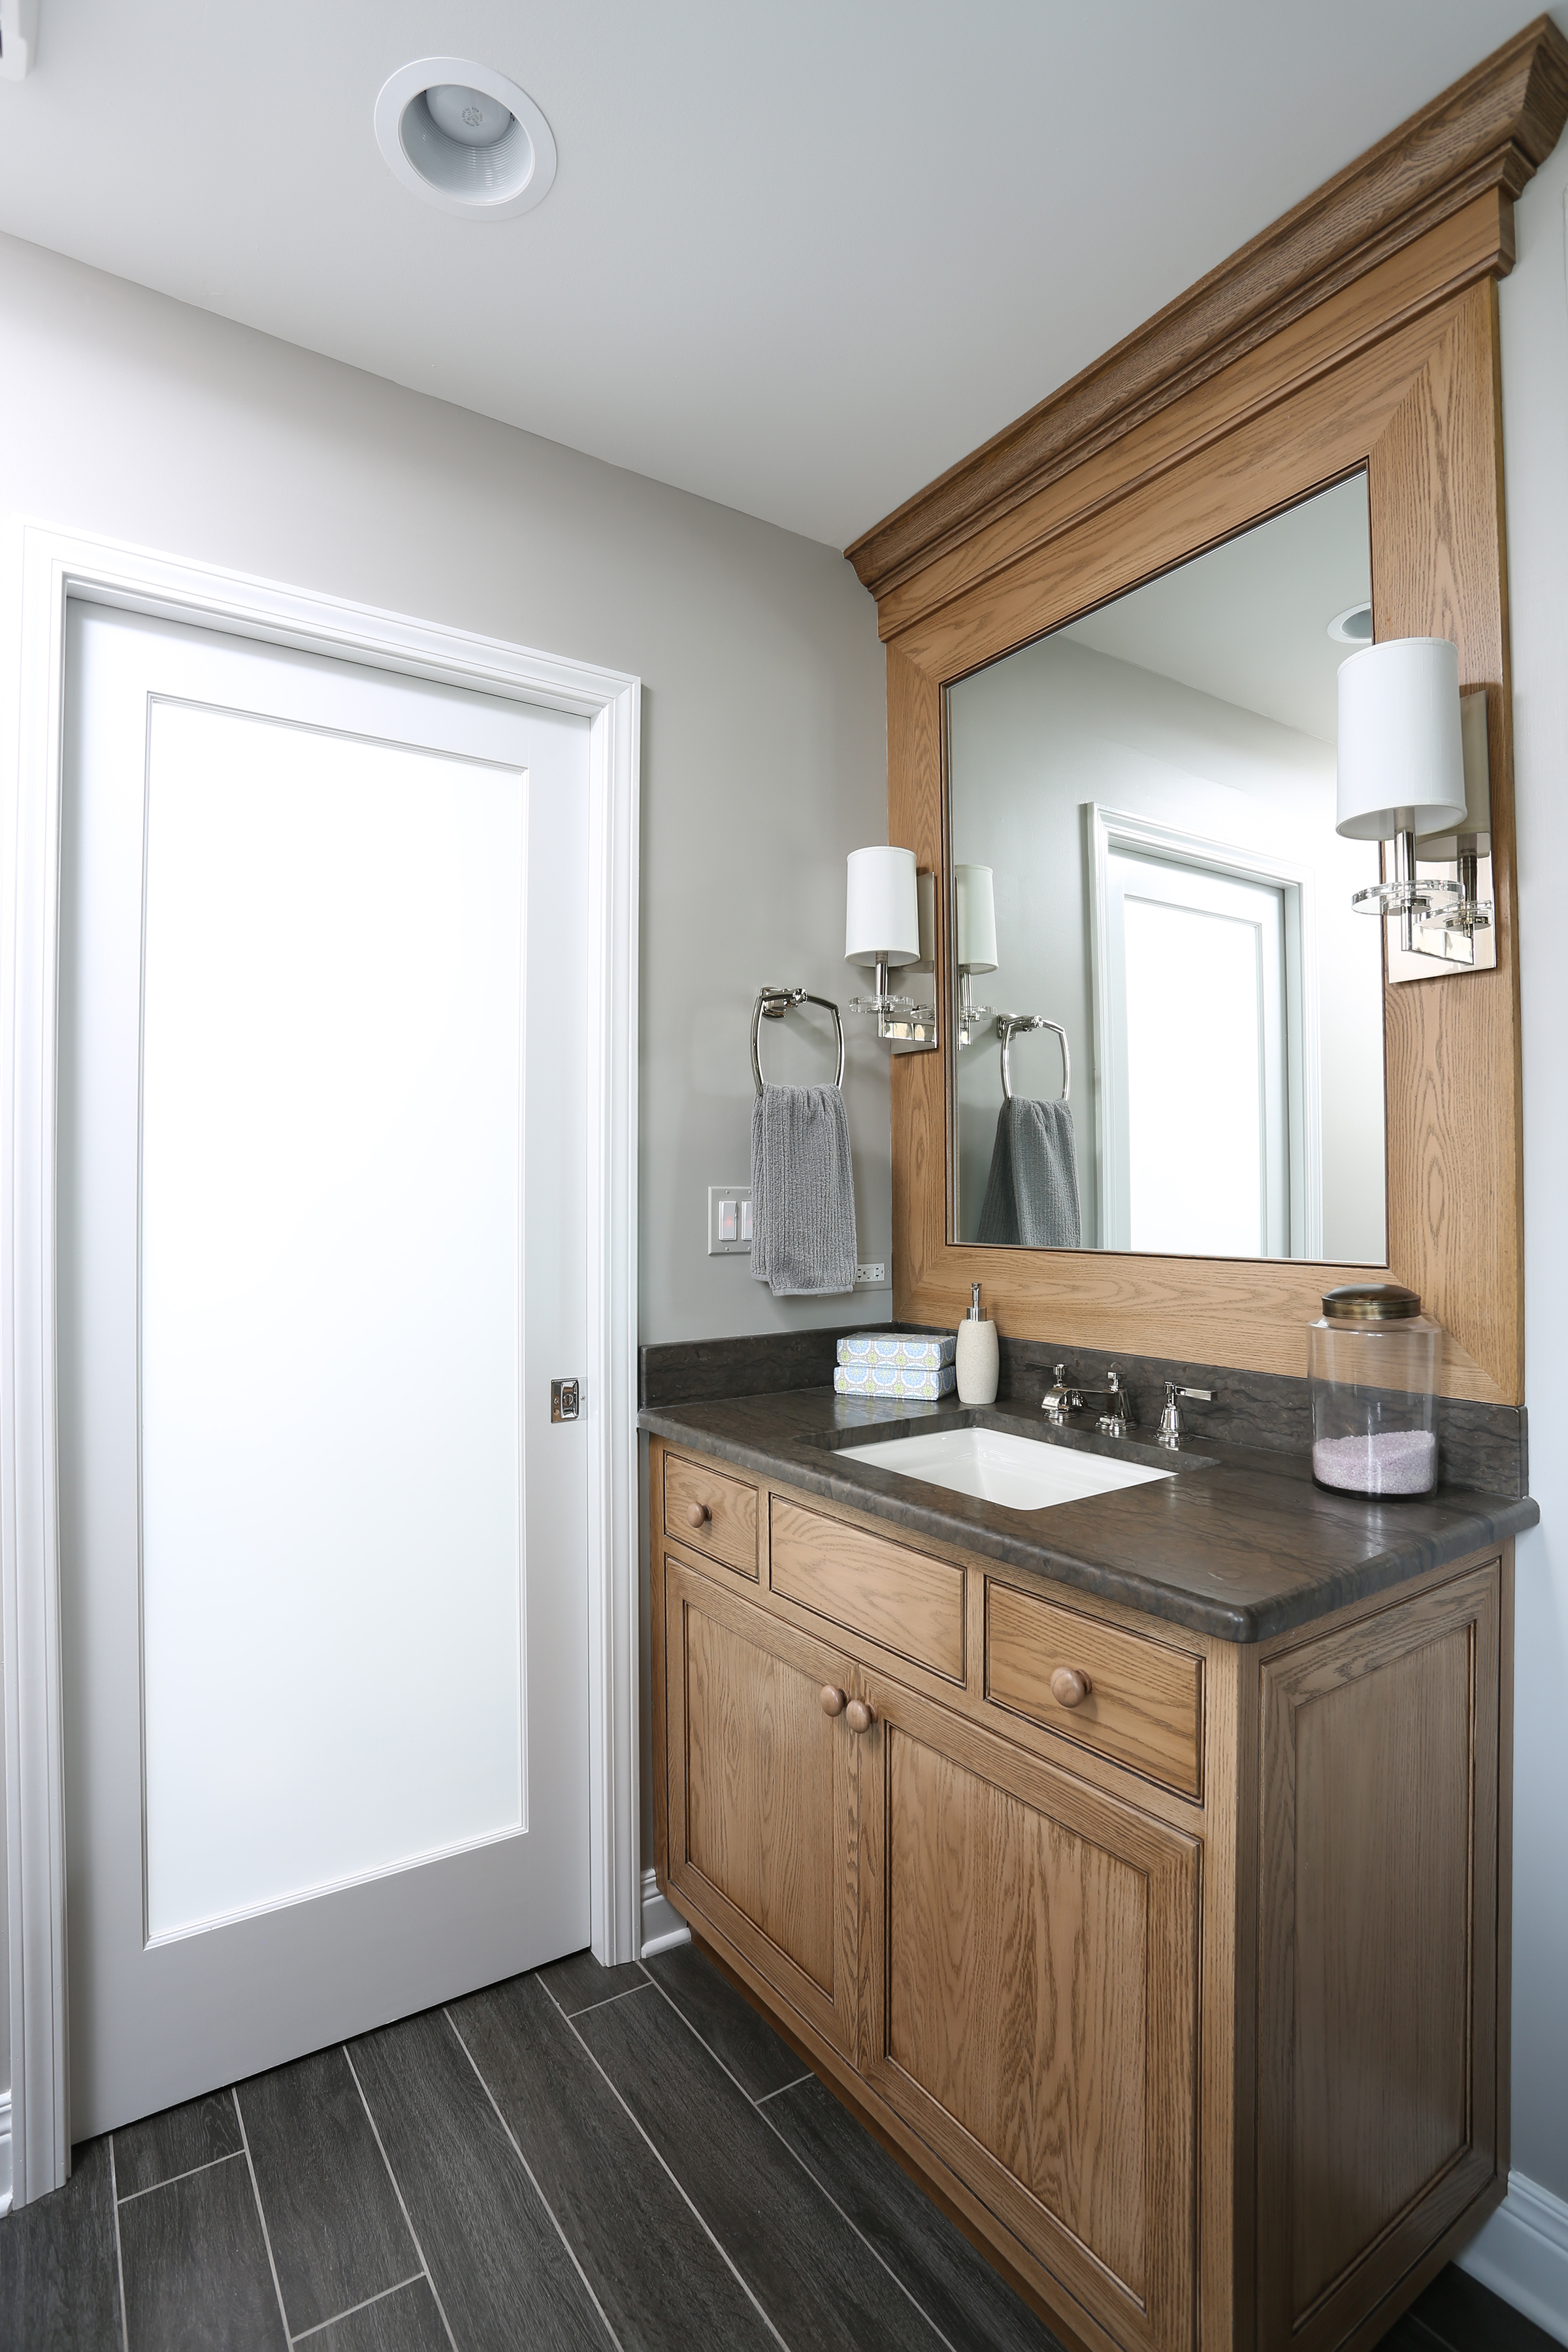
(1193, 2014)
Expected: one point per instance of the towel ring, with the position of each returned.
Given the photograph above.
(773, 1003)
(1013, 1024)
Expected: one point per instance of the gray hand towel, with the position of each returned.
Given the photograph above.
(1031, 1194)
(802, 1192)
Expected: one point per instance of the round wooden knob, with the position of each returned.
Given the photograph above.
(698, 1514)
(832, 1699)
(1069, 1687)
(859, 1714)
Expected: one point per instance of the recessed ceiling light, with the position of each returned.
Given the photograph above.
(1353, 627)
(465, 138)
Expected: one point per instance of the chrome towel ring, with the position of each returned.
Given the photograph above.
(1013, 1024)
(773, 1003)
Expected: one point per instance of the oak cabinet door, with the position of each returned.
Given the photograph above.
(1379, 1959)
(762, 1797)
(1029, 1967)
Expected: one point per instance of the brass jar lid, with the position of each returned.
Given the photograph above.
(1370, 1302)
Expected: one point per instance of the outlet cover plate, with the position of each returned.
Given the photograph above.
(871, 1277)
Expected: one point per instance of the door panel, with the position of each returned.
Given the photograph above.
(761, 1838)
(1029, 1952)
(323, 1557)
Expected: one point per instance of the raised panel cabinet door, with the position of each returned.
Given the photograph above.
(1378, 2022)
(762, 1797)
(1029, 1988)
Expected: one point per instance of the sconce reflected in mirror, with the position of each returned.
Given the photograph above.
(889, 925)
(974, 936)
(1413, 771)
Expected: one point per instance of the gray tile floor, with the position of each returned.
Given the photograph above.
(576, 2159)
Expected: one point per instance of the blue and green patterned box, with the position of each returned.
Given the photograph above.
(921, 1351)
(895, 1379)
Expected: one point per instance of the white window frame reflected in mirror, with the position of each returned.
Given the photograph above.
(1111, 831)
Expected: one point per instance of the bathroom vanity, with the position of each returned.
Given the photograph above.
(1137, 1867)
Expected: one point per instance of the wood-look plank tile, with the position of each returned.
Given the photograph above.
(663, 2285)
(178, 2140)
(579, 1982)
(403, 2321)
(337, 2230)
(196, 2274)
(59, 2290)
(738, 2037)
(812, 2273)
(953, 2284)
(1465, 2316)
(502, 2274)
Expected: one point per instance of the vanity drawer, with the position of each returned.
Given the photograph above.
(904, 1599)
(708, 1512)
(1144, 1705)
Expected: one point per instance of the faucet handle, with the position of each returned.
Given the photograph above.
(1170, 1431)
(1200, 1396)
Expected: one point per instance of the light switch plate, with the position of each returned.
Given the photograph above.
(737, 1193)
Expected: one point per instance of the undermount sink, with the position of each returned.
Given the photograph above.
(1026, 1474)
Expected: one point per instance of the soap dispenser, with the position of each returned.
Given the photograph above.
(978, 1357)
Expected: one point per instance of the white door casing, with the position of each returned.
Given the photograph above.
(47, 567)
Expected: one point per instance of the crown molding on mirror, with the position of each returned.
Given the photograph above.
(1467, 154)
(1398, 374)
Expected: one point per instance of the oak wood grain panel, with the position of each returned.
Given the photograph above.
(658, 1726)
(730, 1530)
(1144, 1704)
(1418, 280)
(1378, 1959)
(1455, 1151)
(1029, 1982)
(907, 1601)
(761, 1832)
(1490, 129)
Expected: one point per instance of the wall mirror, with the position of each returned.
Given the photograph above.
(1149, 902)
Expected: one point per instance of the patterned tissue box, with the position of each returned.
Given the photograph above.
(922, 1351)
(895, 1379)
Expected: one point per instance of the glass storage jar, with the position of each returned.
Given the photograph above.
(1373, 1361)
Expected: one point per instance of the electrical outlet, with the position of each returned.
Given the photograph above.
(871, 1277)
(729, 1221)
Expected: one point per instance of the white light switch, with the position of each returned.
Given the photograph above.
(729, 1220)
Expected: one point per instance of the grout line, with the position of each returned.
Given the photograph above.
(661, 2159)
(119, 2257)
(412, 2279)
(398, 2192)
(645, 1986)
(260, 2215)
(779, 2089)
(532, 2182)
(820, 2186)
(189, 2174)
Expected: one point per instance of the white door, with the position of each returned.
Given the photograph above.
(1196, 1062)
(323, 1124)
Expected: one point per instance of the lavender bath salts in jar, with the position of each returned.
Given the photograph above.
(1373, 1361)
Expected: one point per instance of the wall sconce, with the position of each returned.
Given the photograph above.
(1413, 770)
(890, 924)
(974, 935)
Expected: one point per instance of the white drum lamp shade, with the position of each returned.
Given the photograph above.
(1401, 753)
(882, 920)
(974, 917)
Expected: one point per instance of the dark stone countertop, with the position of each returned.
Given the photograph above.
(1240, 1543)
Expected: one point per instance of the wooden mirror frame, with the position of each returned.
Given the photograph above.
(1361, 330)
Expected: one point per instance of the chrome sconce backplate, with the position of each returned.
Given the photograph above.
(1440, 901)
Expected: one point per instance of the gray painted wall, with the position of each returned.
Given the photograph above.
(138, 418)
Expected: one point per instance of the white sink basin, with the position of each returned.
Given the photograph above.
(1024, 1472)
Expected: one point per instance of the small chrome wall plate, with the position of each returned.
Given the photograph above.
(563, 1399)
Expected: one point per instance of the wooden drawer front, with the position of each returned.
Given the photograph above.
(1144, 1703)
(708, 1512)
(910, 1603)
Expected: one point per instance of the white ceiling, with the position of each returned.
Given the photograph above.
(1248, 622)
(797, 259)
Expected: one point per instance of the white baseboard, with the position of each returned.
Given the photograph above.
(662, 1924)
(1522, 2254)
(4, 2151)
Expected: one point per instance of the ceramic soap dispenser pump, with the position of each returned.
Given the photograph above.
(978, 1357)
